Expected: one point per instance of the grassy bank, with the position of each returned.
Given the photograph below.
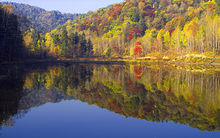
(193, 59)
(188, 59)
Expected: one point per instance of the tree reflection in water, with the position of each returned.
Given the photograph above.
(150, 92)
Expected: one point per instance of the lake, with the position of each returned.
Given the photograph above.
(88, 100)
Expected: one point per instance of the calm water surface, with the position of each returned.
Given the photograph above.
(106, 101)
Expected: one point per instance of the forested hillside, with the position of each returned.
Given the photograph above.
(22, 29)
(151, 28)
(146, 29)
(40, 19)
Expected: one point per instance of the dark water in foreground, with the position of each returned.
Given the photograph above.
(106, 101)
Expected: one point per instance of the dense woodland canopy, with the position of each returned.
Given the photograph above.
(159, 27)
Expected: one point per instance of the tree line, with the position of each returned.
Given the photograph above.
(58, 44)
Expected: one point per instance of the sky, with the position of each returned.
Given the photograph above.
(68, 6)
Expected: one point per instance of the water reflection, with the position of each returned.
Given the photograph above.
(151, 92)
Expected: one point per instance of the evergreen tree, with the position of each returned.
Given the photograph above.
(83, 45)
(76, 39)
(142, 24)
(36, 36)
(64, 41)
(89, 48)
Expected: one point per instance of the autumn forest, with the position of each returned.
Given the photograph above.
(134, 29)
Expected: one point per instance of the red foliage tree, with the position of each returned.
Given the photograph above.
(138, 43)
(138, 49)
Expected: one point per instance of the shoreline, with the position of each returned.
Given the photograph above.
(116, 61)
(189, 67)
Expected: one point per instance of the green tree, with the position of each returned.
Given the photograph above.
(83, 46)
(218, 7)
(133, 14)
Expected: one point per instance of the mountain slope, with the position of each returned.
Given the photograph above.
(142, 28)
(146, 29)
(37, 18)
